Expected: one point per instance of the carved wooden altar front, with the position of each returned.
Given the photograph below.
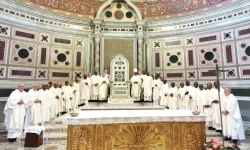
(137, 136)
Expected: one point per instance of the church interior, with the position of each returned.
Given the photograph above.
(45, 41)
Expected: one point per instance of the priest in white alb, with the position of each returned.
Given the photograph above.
(76, 86)
(45, 103)
(232, 125)
(172, 97)
(216, 118)
(136, 86)
(95, 79)
(14, 112)
(189, 99)
(53, 100)
(103, 87)
(147, 87)
(34, 107)
(203, 105)
(85, 89)
(195, 94)
(60, 103)
(164, 94)
(157, 83)
(67, 96)
(73, 99)
(181, 96)
(208, 105)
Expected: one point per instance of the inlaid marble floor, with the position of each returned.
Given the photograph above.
(56, 133)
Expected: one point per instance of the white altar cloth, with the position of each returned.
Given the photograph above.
(132, 116)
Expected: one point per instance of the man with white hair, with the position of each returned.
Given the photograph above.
(33, 105)
(136, 86)
(14, 111)
(232, 121)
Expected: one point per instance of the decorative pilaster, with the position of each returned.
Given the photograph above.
(140, 35)
(90, 57)
(145, 53)
(97, 35)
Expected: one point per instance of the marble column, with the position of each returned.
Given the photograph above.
(90, 55)
(140, 35)
(97, 35)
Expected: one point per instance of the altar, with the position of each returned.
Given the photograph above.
(135, 129)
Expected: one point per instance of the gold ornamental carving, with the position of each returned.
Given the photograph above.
(137, 136)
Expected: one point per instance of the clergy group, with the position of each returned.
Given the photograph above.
(42, 104)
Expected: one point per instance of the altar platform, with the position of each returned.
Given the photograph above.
(135, 129)
(118, 106)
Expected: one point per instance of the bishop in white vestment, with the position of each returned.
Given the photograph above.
(34, 107)
(233, 125)
(14, 111)
(147, 87)
(85, 89)
(164, 94)
(172, 97)
(136, 86)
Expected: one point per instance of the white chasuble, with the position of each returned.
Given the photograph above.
(164, 95)
(14, 114)
(157, 88)
(34, 110)
(103, 88)
(233, 125)
(136, 87)
(172, 98)
(85, 89)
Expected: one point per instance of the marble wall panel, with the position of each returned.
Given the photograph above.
(61, 57)
(22, 53)
(209, 56)
(173, 59)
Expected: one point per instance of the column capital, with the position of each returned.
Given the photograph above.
(140, 22)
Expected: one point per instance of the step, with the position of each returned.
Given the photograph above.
(211, 133)
(47, 137)
(58, 128)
